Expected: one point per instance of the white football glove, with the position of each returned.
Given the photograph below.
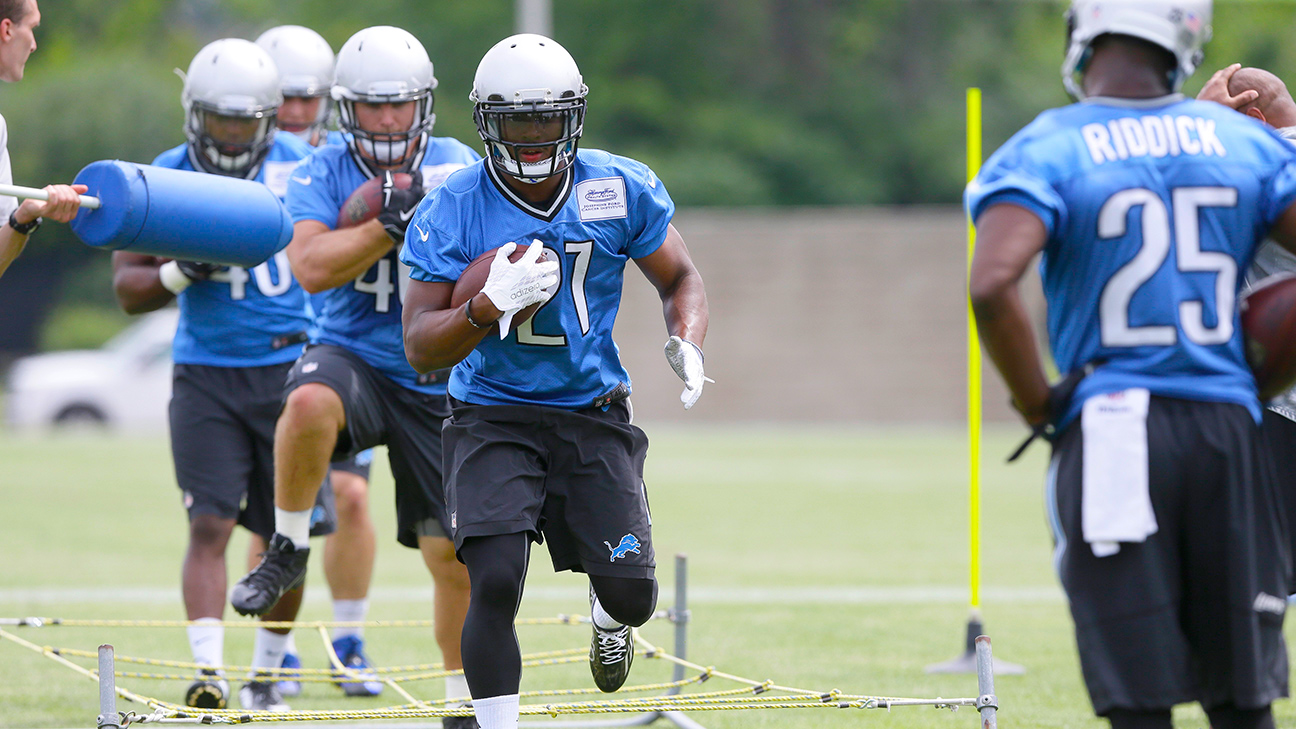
(512, 287)
(685, 358)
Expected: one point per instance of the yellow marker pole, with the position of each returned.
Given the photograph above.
(973, 368)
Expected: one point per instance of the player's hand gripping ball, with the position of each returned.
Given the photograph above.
(366, 202)
(1269, 328)
(474, 278)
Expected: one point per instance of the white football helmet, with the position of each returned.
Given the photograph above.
(305, 62)
(231, 77)
(531, 78)
(381, 65)
(1181, 27)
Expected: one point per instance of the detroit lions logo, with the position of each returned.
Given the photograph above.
(628, 544)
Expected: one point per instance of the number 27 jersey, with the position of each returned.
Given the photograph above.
(1154, 209)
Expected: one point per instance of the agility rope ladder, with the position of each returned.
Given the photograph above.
(749, 693)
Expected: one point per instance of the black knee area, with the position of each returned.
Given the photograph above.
(1229, 716)
(496, 568)
(1127, 719)
(629, 600)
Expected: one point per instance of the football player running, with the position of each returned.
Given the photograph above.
(540, 445)
(1146, 207)
(354, 389)
(240, 331)
(305, 62)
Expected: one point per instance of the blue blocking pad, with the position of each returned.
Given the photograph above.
(192, 216)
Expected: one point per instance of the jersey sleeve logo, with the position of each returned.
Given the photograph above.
(603, 198)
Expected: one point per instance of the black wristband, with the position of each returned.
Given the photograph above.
(468, 312)
(23, 228)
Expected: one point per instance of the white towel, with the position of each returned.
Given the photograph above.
(1115, 506)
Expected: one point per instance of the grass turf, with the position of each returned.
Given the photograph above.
(819, 558)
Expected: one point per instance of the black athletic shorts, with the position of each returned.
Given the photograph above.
(1278, 434)
(222, 442)
(1194, 613)
(378, 412)
(358, 464)
(573, 478)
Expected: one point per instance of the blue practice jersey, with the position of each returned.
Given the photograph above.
(1154, 210)
(236, 318)
(364, 315)
(609, 210)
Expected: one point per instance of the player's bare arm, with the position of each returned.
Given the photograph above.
(1008, 238)
(437, 335)
(324, 259)
(137, 282)
(1284, 229)
(684, 302)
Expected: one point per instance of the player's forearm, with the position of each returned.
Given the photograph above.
(327, 260)
(1006, 333)
(139, 289)
(11, 245)
(685, 309)
(436, 339)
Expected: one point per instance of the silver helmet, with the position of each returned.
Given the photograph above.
(305, 62)
(230, 78)
(385, 65)
(529, 79)
(1181, 27)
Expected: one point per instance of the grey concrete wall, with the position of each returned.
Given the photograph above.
(835, 314)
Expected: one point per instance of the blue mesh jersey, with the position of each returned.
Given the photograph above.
(364, 315)
(234, 319)
(1154, 211)
(610, 209)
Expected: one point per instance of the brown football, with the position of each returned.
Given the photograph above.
(366, 201)
(474, 277)
(1269, 328)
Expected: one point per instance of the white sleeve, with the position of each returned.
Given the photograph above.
(7, 204)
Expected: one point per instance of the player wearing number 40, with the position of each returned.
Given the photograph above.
(1147, 208)
(240, 331)
(352, 389)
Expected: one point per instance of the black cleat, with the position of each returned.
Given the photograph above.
(611, 653)
(282, 568)
(208, 691)
(261, 695)
(459, 722)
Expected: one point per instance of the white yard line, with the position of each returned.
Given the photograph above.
(809, 595)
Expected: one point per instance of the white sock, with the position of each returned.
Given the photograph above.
(349, 611)
(456, 687)
(497, 712)
(295, 525)
(268, 649)
(291, 645)
(207, 641)
(602, 619)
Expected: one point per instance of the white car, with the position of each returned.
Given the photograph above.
(125, 385)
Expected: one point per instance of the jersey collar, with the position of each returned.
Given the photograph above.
(1149, 103)
(546, 214)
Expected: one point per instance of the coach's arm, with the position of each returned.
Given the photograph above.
(63, 203)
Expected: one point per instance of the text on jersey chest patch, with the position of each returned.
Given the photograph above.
(603, 198)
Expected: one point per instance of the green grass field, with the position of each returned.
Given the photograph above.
(819, 557)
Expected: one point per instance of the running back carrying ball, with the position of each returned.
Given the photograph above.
(1269, 325)
(366, 201)
(474, 277)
